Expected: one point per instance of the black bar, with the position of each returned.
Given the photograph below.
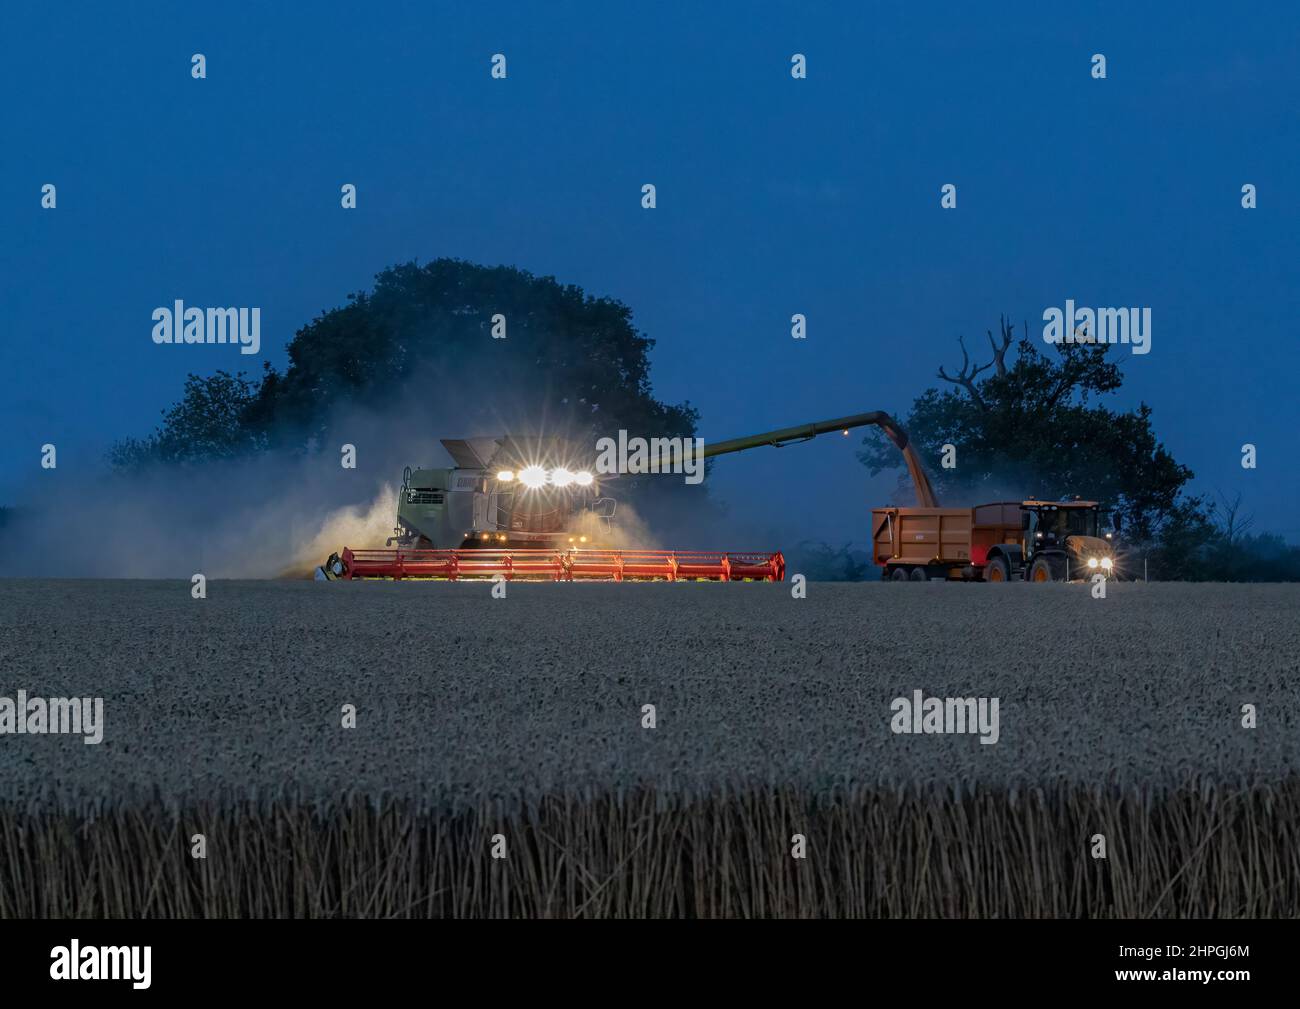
(978, 960)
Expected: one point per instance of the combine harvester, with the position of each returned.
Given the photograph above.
(534, 509)
(528, 508)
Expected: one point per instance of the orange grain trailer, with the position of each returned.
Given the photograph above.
(920, 544)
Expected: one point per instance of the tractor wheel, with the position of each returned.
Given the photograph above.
(1045, 569)
(899, 574)
(919, 575)
(997, 570)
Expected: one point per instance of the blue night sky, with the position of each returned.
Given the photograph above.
(775, 196)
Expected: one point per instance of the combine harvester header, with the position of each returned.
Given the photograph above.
(582, 564)
(533, 509)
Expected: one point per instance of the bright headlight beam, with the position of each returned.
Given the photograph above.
(583, 479)
(532, 477)
(561, 477)
(506, 475)
(1092, 562)
(1106, 563)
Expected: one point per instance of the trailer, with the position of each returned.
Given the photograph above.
(1033, 540)
(921, 544)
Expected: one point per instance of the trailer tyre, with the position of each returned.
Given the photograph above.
(899, 575)
(919, 575)
(997, 570)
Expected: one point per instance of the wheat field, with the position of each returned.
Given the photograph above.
(516, 727)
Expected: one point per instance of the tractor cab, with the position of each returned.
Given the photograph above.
(1065, 540)
(1054, 521)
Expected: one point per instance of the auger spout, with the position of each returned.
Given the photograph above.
(925, 496)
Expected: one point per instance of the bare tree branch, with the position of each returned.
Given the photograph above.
(1232, 525)
(966, 377)
(1000, 350)
(1062, 386)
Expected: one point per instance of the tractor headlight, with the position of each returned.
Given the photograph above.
(1107, 563)
(583, 479)
(506, 475)
(1092, 562)
(561, 477)
(533, 477)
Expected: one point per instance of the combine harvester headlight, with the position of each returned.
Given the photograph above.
(533, 477)
(583, 479)
(1092, 562)
(561, 477)
(506, 475)
(1107, 563)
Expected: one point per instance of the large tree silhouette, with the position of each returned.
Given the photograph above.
(570, 365)
(1035, 426)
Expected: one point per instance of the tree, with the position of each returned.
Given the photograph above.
(1033, 427)
(570, 364)
(568, 361)
(210, 422)
(821, 562)
(1181, 553)
(1228, 551)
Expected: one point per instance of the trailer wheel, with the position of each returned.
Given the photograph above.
(919, 575)
(899, 574)
(1044, 569)
(997, 570)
